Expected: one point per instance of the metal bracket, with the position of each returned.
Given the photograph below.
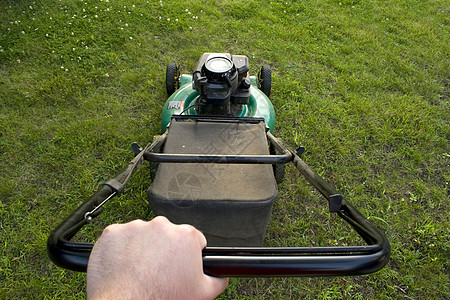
(300, 150)
(136, 148)
(335, 202)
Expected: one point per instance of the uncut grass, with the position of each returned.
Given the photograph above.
(362, 85)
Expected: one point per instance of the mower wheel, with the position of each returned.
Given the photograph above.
(172, 78)
(153, 164)
(265, 79)
(153, 168)
(278, 169)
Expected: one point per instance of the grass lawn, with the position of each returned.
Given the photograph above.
(362, 84)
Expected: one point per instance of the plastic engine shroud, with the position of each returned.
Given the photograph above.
(184, 99)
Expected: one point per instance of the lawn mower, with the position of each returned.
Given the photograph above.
(216, 166)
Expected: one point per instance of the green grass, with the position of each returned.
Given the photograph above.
(363, 85)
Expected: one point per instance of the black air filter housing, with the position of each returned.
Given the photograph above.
(229, 203)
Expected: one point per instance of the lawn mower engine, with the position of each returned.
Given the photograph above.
(223, 83)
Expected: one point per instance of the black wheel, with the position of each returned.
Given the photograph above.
(278, 169)
(172, 78)
(153, 164)
(265, 79)
(153, 168)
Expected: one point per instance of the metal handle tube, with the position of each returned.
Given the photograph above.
(74, 256)
(296, 261)
(218, 159)
(321, 185)
(238, 262)
(271, 266)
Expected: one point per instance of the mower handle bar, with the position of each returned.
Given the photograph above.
(241, 261)
(244, 262)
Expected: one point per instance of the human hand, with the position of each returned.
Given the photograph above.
(150, 260)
